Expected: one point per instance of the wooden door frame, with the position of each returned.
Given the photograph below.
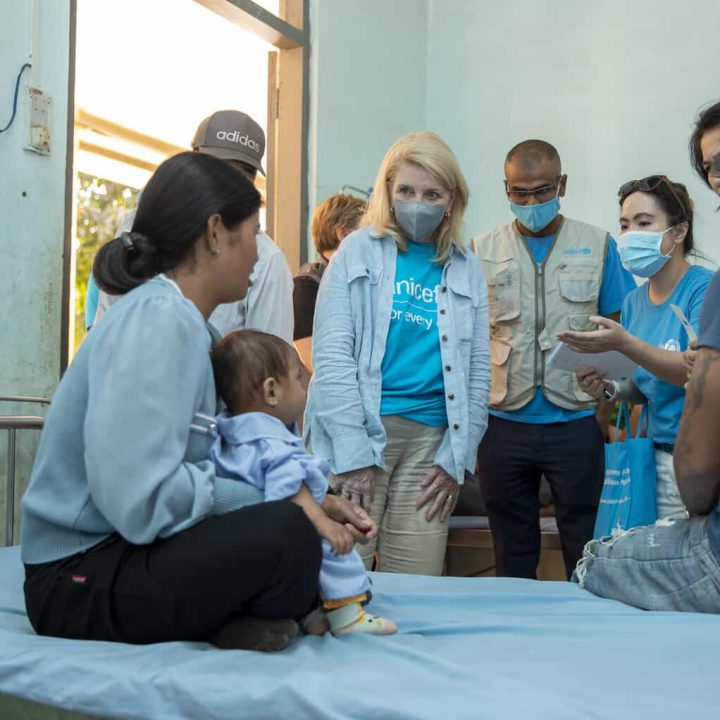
(287, 192)
(68, 258)
(288, 115)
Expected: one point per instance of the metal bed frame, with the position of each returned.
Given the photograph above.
(13, 423)
(10, 706)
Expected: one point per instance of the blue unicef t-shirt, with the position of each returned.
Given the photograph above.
(659, 326)
(412, 378)
(616, 283)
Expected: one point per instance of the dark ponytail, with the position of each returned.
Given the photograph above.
(180, 197)
(124, 263)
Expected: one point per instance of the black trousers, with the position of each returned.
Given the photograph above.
(511, 459)
(262, 560)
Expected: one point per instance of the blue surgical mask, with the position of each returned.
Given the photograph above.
(537, 217)
(640, 252)
(418, 220)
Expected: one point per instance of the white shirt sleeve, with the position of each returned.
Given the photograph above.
(104, 303)
(268, 304)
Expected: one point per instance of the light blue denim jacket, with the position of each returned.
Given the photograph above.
(352, 318)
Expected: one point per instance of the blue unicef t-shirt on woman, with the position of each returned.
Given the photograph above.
(658, 326)
(412, 378)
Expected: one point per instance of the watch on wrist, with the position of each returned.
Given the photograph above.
(610, 391)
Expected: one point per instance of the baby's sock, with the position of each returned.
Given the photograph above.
(348, 616)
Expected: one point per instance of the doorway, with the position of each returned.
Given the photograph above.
(146, 74)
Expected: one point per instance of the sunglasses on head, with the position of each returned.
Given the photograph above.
(650, 184)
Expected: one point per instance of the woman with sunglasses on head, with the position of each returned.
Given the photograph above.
(656, 223)
(675, 565)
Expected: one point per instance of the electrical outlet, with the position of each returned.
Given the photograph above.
(40, 111)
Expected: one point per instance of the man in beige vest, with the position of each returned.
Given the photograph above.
(546, 273)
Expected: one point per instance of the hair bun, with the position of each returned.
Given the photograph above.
(134, 241)
(128, 241)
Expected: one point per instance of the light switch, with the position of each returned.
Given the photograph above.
(40, 112)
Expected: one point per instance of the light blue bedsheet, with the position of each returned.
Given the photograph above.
(467, 648)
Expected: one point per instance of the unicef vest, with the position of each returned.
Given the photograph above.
(531, 302)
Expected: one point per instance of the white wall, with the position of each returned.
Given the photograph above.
(367, 86)
(32, 200)
(614, 84)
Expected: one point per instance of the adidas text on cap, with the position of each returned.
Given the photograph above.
(231, 135)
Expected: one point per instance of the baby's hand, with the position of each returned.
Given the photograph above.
(339, 537)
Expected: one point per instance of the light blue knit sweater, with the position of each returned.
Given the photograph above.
(126, 438)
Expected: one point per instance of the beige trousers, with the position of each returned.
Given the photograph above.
(407, 542)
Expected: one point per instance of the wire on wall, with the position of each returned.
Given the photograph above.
(15, 99)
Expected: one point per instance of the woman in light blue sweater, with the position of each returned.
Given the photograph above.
(127, 532)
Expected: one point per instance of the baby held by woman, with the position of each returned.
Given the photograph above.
(263, 384)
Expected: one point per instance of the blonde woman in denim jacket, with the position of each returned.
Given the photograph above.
(398, 402)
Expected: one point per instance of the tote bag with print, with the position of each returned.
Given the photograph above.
(629, 490)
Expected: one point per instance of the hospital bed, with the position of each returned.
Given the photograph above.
(467, 648)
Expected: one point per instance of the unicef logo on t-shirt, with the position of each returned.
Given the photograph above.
(417, 291)
(415, 303)
(672, 345)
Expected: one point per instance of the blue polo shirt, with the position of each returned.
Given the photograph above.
(616, 283)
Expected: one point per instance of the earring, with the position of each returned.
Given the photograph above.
(447, 213)
(215, 252)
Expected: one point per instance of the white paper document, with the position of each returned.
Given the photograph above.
(615, 365)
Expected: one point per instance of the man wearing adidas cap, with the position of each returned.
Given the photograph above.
(235, 137)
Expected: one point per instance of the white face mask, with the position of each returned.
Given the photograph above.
(640, 252)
